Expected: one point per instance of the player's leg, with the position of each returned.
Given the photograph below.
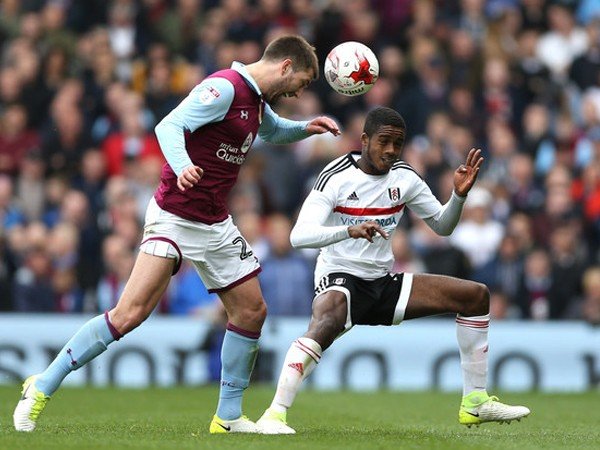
(329, 319)
(435, 294)
(229, 268)
(145, 287)
(246, 313)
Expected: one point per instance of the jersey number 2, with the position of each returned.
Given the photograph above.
(243, 252)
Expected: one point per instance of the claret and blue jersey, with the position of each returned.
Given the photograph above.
(214, 128)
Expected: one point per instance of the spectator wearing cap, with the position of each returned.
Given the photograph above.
(478, 235)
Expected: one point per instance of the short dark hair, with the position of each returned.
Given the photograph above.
(296, 48)
(382, 116)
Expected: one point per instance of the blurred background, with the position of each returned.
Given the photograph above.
(83, 83)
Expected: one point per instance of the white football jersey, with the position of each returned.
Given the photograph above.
(344, 195)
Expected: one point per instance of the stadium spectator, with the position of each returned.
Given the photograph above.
(16, 139)
(131, 145)
(10, 214)
(429, 91)
(585, 70)
(286, 278)
(563, 42)
(590, 307)
(559, 205)
(33, 290)
(478, 234)
(30, 185)
(535, 286)
(569, 261)
(505, 272)
(525, 195)
(188, 296)
(117, 259)
(91, 179)
(74, 210)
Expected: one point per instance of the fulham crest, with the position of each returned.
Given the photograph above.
(394, 194)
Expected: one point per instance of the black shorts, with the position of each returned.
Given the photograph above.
(370, 302)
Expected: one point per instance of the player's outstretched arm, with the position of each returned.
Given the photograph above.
(279, 130)
(322, 124)
(446, 218)
(466, 174)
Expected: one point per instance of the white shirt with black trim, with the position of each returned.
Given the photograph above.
(344, 195)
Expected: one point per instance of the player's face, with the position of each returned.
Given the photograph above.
(291, 83)
(381, 150)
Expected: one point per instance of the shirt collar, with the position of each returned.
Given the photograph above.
(241, 68)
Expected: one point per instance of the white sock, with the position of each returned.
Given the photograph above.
(472, 336)
(301, 359)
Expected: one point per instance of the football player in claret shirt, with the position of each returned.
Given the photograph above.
(205, 139)
(351, 211)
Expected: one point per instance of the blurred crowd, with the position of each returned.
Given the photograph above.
(83, 83)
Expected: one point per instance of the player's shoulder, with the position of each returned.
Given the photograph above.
(336, 167)
(403, 169)
(213, 90)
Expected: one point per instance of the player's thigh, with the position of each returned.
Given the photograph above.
(244, 303)
(146, 285)
(439, 294)
(228, 261)
(331, 305)
(330, 317)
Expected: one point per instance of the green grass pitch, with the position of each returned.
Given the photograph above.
(178, 418)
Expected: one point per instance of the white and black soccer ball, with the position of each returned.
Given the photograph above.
(351, 68)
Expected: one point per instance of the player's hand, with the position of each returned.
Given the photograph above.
(190, 177)
(322, 124)
(466, 174)
(367, 230)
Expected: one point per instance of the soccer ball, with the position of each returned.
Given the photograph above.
(351, 68)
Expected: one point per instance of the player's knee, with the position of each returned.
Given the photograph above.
(126, 321)
(481, 300)
(256, 313)
(327, 327)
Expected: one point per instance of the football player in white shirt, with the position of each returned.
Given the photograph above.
(353, 208)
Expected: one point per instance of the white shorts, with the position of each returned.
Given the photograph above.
(220, 254)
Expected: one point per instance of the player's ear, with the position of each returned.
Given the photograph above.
(286, 66)
(364, 140)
